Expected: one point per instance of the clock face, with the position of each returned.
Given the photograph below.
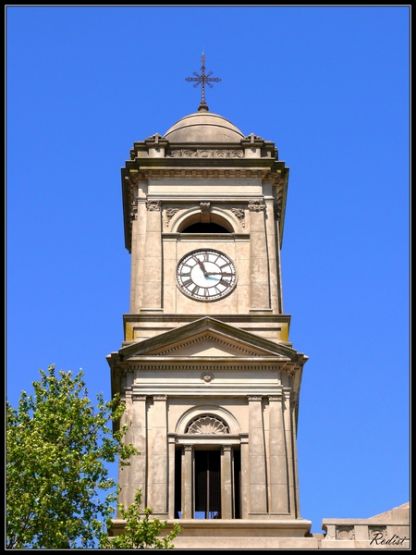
(206, 275)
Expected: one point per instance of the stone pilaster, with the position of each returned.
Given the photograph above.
(287, 411)
(171, 472)
(137, 256)
(226, 482)
(257, 458)
(259, 266)
(152, 278)
(279, 266)
(245, 477)
(158, 457)
(124, 471)
(271, 252)
(295, 456)
(138, 463)
(187, 482)
(279, 494)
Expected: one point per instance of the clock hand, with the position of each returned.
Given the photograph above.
(201, 265)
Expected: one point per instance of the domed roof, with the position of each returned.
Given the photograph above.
(203, 127)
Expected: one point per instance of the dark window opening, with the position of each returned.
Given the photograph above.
(237, 483)
(207, 484)
(178, 482)
(200, 227)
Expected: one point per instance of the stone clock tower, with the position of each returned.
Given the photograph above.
(207, 371)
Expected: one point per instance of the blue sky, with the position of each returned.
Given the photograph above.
(330, 86)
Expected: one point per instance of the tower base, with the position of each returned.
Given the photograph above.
(237, 533)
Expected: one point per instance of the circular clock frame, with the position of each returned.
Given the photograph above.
(206, 275)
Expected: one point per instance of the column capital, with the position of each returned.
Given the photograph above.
(256, 206)
(254, 397)
(160, 397)
(226, 448)
(153, 205)
(276, 397)
(188, 448)
(138, 397)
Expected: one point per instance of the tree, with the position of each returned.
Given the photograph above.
(59, 494)
(141, 531)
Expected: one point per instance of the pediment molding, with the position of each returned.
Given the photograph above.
(241, 344)
(224, 345)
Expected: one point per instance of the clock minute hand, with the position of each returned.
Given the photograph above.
(201, 265)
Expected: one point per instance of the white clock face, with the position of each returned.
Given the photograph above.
(206, 275)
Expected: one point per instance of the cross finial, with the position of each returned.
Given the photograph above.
(203, 79)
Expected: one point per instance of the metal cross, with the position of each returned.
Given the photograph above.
(203, 79)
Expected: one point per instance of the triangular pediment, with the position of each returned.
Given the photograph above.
(208, 338)
(210, 344)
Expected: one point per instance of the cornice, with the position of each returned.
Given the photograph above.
(249, 318)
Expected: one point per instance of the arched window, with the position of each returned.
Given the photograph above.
(205, 223)
(207, 424)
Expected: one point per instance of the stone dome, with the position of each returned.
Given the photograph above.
(203, 127)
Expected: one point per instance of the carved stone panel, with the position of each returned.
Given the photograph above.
(344, 533)
(207, 425)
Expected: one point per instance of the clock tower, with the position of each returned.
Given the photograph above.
(207, 371)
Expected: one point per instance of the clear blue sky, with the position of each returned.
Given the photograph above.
(329, 85)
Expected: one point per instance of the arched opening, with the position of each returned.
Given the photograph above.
(200, 227)
(205, 223)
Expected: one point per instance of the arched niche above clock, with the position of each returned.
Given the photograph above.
(205, 223)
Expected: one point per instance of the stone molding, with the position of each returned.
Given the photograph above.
(201, 411)
(212, 339)
(169, 213)
(204, 172)
(205, 153)
(197, 365)
(240, 214)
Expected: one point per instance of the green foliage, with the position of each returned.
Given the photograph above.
(141, 531)
(59, 494)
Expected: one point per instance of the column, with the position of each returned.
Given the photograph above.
(171, 470)
(245, 477)
(152, 275)
(138, 433)
(287, 411)
(226, 483)
(158, 457)
(257, 458)
(279, 494)
(259, 266)
(187, 482)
